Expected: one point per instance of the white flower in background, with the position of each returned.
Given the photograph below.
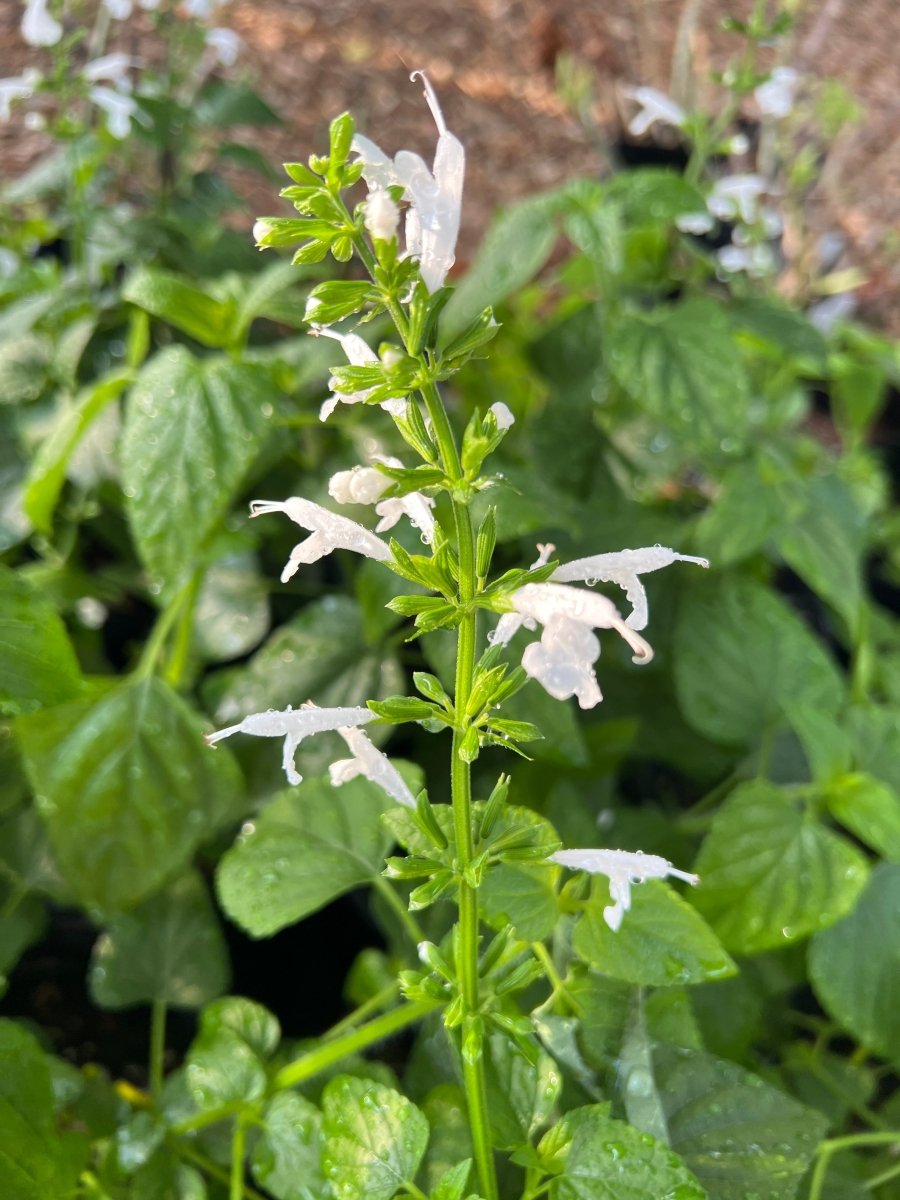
(655, 106)
(624, 568)
(35, 121)
(563, 660)
(9, 260)
(828, 313)
(369, 761)
(119, 10)
(737, 144)
(294, 724)
(359, 354)
(435, 196)
(328, 532)
(201, 9)
(17, 87)
(623, 869)
(118, 108)
(366, 485)
(696, 223)
(737, 196)
(502, 415)
(39, 27)
(756, 261)
(225, 44)
(776, 96)
(382, 216)
(113, 68)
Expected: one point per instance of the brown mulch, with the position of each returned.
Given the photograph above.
(496, 66)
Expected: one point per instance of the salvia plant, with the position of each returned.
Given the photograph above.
(557, 1008)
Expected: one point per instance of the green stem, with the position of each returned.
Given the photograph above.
(177, 664)
(885, 1177)
(157, 1046)
(238, 1142)
(367, 1035)
(161, 630)
(542, 954)
(405, 917)
(372, 1005)
(835, 1145)
(214, 1171)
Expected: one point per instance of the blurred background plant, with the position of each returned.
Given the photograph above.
(680, 350)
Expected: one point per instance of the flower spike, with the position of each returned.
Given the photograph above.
(622, 869)
(328, 532)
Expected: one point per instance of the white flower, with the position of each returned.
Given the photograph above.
(328, 532)
(502, 415)
(369, 761)
(119, 10)
(38, 27)
(201, 9)
(623, 869)
(17, 87)
(737, 196)
(757, 260)
(366, 485)
(563, 660)
(225, 44)
(775, 97)
(696, 223)
(118, 107)
(655, 106)
(294, 725)
(624, 567)
(111, 67)
(435, 196)
(382, 216)
(828, 313)
(359, 354)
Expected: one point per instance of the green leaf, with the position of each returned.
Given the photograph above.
(38, 666)
(169, 949)
(824, 545)
(307, 847)
(742, 656)
(740, 1137)
(870, 809)
(47, 472)
(603, 1158)
(320, 654)
(222, 104)
(251, 1022)
(182, 304)
(515, 248)
(524, 897)
(679, 365)
(36, 1161)
(521, 1091)
(662, 940)
(222, 1069)
(286, 1160)
(746, 510)
(20, 927)
(875, 736)
(451, 1139)
(231, 615)
(652, 195)
(126, 789)
(770, 872)
(783, 330)
(192, 429)
(855, 965)
(374, 1139)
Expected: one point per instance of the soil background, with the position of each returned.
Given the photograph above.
(496, 65)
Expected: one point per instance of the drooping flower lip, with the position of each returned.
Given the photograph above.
(623, 869)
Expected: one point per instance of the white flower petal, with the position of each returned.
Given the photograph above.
(328, 532)
(623, 567)
(17, 87)
(39, 27)
(382, 216)
(225, 45)
(294, 724)
(369, 761)
(655, 106)
(111, 67)
(623, 869)
(502, 415)
(117, 107)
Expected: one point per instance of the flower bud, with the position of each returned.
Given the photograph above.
(382, 215)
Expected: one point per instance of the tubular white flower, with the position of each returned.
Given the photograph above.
(502, 415)
(563, 659)
(366, 485)
(623, 869)
(624, 568)
(359, 354)
(737, 196)
(775, 97)
(382, 216)
(111, 67)
(369, 761)
(328, 532)
(39, 27)
(655, 106)
(225, 45)
(294, 724)
(435, 196)
(118, 107)
(119, 10)
(17, 87)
